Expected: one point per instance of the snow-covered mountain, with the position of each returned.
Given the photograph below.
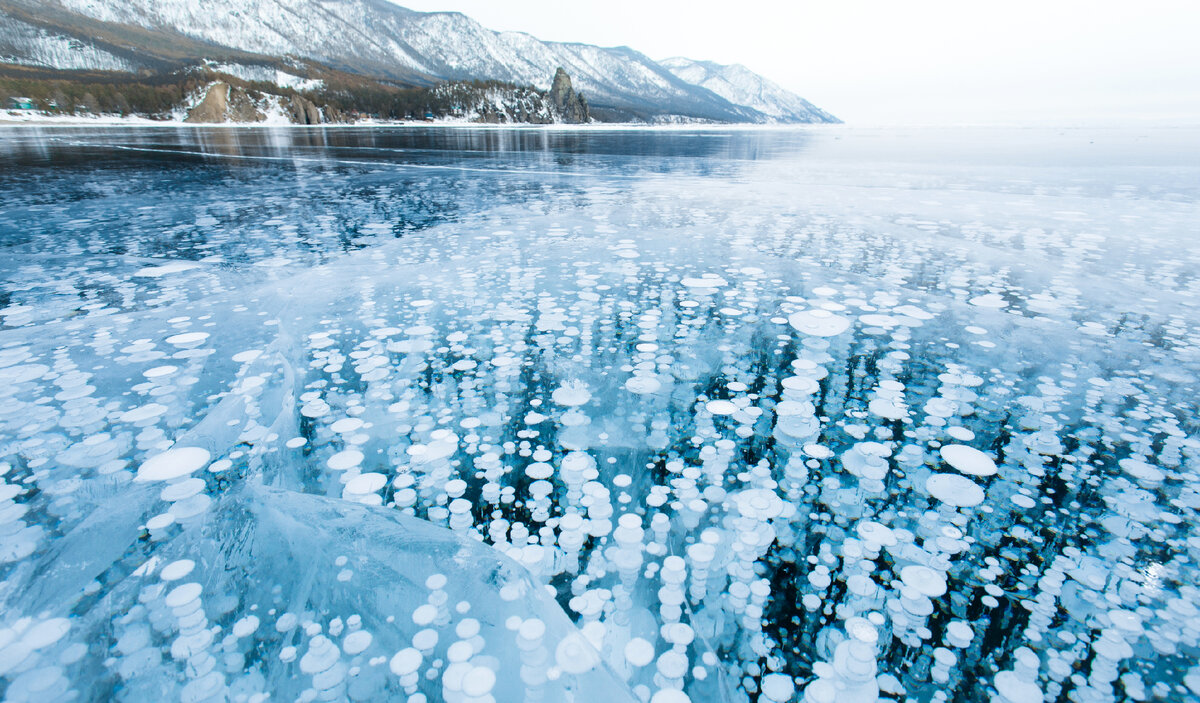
(26, 44)
(376, 38)
(741, 86)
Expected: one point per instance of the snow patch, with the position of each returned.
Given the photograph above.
(267, 74)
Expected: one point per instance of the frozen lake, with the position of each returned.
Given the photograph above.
(505, 415)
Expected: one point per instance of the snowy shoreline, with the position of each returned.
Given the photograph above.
(11, 119)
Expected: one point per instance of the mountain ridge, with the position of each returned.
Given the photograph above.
(740, 85)
(373, 38)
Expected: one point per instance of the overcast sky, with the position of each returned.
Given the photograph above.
(910, 61)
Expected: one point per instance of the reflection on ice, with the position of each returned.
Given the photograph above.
(671, 426)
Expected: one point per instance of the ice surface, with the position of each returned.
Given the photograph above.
(517, 415)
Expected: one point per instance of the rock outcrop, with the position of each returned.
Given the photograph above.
(225, 103)
(492, 104)
(496, 103)
(228, 103)
(301, 110)
(336, 116)
(499, 103)
(212, 108)
(243, 108)
(571, 107)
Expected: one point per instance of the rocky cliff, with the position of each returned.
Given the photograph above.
(500, 103)
(301, 110)
(223, 102)
(570, 106)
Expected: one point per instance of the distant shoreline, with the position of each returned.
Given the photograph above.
(138, 122)
(6, 120)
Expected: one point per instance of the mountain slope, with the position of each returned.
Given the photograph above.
(741, 86)
(377, 38)
(30, 45)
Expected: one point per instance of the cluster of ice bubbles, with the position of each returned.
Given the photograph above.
(587, 465)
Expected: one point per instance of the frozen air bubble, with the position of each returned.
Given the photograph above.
(364, 484)
(143, 414)
(639, 652)
(245, 626)
(991, 300)
(46, 633)
(706, 281)
(778, 688)
(575, 655)
(187, 339)
(800, 386)
(245, 357)
(924, 580)
(571, 394)
(182, 490)
(345, 460)
(177, 570)
(1015, 689)
(220, 465)
(954, 490)
(720, 407)
(1142, 471)
(887, 409)
(173, 464)
(643, 385)
(478, 682)
(356, 642)
(819, 323)
(346, 425)
(968, 460)
(183, 595)
(405, 662)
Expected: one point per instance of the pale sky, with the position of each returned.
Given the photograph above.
(910, 61)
